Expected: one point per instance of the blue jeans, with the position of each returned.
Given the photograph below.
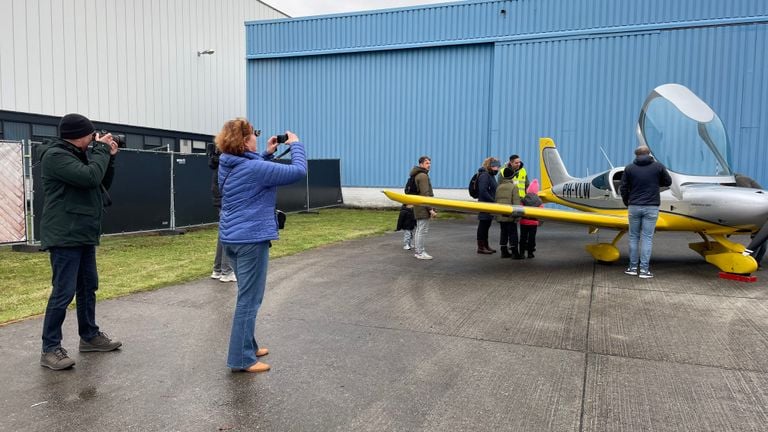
(250, 264)
(74, 274)
(407, 237)
(642, 223)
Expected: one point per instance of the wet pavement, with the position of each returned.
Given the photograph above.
(363, 337)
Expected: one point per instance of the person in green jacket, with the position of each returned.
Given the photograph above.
(76, 169)
(507, 193)
(423, 214)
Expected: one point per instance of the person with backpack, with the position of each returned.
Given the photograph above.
(486, 192)
(423, 214)
(529, 226)
(406, 220)
(506, 193)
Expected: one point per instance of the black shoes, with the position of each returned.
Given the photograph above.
(56, 359)
(101, 343)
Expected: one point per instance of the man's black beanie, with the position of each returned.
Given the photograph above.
(74, 126)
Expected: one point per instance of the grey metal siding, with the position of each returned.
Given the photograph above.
(129, 62)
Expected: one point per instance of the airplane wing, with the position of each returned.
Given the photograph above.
(591, 219)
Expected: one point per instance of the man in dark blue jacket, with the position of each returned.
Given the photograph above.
(641, 185)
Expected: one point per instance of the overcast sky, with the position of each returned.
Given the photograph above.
(296, 8)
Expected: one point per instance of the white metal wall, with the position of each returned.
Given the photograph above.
(127, 61)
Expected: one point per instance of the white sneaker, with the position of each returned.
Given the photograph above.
(646, 274)
(407, 247)
(423, 256)
(228, 278)
(216, 275)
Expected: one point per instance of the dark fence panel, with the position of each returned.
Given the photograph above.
(192, 186)
(141, 193)
(324, 183)
(292, 197)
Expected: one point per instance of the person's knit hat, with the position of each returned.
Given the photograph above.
(507, 172)
(494, 164)
(74, 126)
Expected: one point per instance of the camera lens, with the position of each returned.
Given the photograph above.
(282, 138)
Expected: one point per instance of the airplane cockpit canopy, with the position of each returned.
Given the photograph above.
(684, 133)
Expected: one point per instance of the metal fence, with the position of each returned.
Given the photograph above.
(151, 191)
(12, 193)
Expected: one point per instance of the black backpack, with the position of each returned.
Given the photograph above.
(474, 192)
(411, 188)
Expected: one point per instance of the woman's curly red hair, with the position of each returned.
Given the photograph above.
(233, 136)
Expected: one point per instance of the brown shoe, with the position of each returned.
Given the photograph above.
(261, 352)
(481, 249)
(254, 368)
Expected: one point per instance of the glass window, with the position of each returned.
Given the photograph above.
(152, 143)
(134, 141)
(169, 143)
(683, 144)
(198, 145)
(39, 130)
(601, 182)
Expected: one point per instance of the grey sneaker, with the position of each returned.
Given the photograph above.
(646, 274)
(101, 342)
(632, 271)
(56, 359)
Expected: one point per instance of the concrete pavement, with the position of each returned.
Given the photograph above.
(363, 337)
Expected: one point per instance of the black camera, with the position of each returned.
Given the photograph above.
(119, 138)
(282, 138)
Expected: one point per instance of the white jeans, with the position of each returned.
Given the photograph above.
(419, 234)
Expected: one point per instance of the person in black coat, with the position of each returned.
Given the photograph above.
(640, 189)
(486, 188)
(222, 269)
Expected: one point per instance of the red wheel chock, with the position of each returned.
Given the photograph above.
(737, 277)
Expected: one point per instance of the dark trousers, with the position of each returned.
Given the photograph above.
(74, 275)
(482, 229)
(508, 234)
(527, 238)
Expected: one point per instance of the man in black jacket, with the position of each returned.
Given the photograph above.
(641, 185)
(74, 174)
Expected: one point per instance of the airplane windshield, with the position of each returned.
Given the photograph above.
(681, 142)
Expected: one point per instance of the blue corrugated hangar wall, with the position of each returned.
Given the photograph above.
(462, 81)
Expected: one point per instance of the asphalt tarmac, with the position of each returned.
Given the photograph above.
(363, 337)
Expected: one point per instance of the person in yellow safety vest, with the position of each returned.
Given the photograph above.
(520, 176)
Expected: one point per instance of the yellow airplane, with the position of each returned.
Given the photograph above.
(689, 139)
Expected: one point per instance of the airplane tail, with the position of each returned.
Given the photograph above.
(551, 165)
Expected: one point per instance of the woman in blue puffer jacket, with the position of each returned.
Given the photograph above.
(248, 183)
